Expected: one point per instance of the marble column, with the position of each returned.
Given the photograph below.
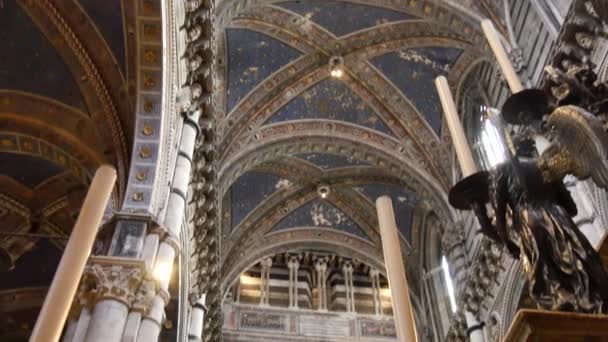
(347, 273)
(83, 325)
(374, 275)
(474, 328)
(169, 247)
(141, 307)
(197, 316)
(293, 264)
(321, 268)
(116, 281)
(266, 265)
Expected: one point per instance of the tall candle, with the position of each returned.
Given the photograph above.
(397, 281)
(461, 145)
(58, 300)
(501, 56)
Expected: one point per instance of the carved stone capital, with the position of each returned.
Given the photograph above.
(144, 297)
(114, 278)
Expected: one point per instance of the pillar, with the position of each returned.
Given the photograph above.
(197, 318)
(293, 264)
(116, 280)
(266, 265)
(321, 268)
(374, 275)
(83, 325)
(474, 327)
(347, 273)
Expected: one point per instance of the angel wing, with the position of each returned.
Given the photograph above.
(580, 146)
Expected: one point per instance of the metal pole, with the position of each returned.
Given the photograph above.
(402, 307)
(65, 283)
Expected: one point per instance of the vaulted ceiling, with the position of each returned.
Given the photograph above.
(288, 127)
(67, 98)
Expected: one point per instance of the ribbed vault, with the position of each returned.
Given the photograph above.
(287, 127)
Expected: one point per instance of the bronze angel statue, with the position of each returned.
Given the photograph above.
(532, 211)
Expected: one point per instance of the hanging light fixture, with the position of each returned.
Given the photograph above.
(336, 66)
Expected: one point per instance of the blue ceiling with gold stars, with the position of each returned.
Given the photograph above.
(413, 71)
(332, 100)
(252, 56)
(34, 268)
(321, 214)
(342, 18)
(104, 14)
(27, 170)
(250, 190)
(403, 203)
(26, 51)
(328, 161)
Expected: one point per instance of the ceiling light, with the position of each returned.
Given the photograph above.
(323, 191)
(336, 66)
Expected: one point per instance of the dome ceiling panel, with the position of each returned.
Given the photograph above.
(328, 161)
(413, 71)
(330, 99)
(403, 203)
(26, 51)
(251, 189)
(252, 56)
(34, 268)
(320, 213)
(342, 18)
(104, 14)
(27, 170)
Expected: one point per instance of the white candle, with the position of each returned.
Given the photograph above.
(501, 56)
(402, 307)
(461, 145)
(65, 282)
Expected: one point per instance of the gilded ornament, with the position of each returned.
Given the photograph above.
(28, 146)
(7, 143)
(149, 80)
(150, 29)
(148, 105)
(148, 130)
(150, 56)
(145, 152)
(141, 176)
(138, 196)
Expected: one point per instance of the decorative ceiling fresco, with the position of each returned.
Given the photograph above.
(293, 126)
(332, 100)
(251, 189)
(414, 71)
(322, 214)
(252, 57)
(404, 203)
(341, 18)
(328, 161)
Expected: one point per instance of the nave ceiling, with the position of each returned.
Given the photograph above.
(287, 128)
